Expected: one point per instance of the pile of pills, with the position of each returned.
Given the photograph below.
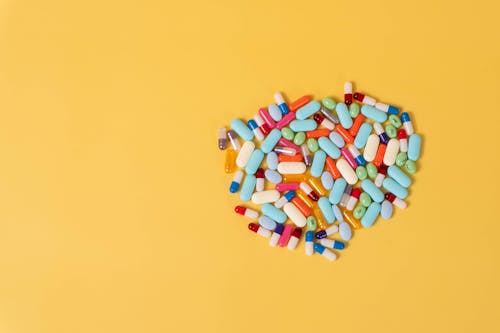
(325, 166)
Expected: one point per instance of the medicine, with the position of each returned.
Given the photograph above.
(241, 129)
(287, 197)
(356, 125)
(330, 115)
(265, 196)
(345, 231)
(322, 121)
(371, 147)
(297, 104)
(274, 112)
(405, 118)
(395, 200)
(381, 173)
(285, 121)
(348, 93)
(267, 118)
(235, 183)
(286, 143)
(308, 110)
(338, 213)
(245, 153)
(256, 130)
(381, 133)
(349, 158)
(294, 240)
(267, 223)
(302, 206)
(276, 235)
(229, 162)
(233, 139)
(291, 168)
(387, 108)
(333, 244)
(398, 175)
(282, 187)
(373, 191)
(414, 147)
(248, 187)
(362, 136)
(271, 141)
(273, 176)
(365, 99)
(403, 140)
(264, 128)
(386, 210)
(325, 233)
(285, 236)
(316, 186)
(360, 160)
(337, 191)
(353, 199)
(309, 243)
(294, 214)
(326, 209)
(371, 215)
(337, 139)
(309, 191)
(259, 230)
(274, 213)
(281, 103)
(379, 156)
(247, 212)
(327, 180)
(391, 152)
(325, 252)
(222, 141)
(328, 147)
(392, 186)
(346, 195)
(303, 125)
(347, 171)
(285, 150)
(272, 160)
(254, 161)
(344, 116)
(308, 159)
(348, 138)
(259, 185)
(318, 163)
(371, 113)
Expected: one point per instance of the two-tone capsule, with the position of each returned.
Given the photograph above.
(247, 212)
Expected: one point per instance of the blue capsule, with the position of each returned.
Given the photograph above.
(309, 236)
(271, 141)
(398, 175)
(252, 124)
(303, 125)
(362, 136)
(254, 162)
(392, 186)
(308, 110)
(338, 188)
(328, 146)
(371, 215)
(241, 129)
(372, 113)
(235, 183)
(326, 209)
(318, 163)
(274, 213)
(372, 190)
(248, 187)
(414, 143)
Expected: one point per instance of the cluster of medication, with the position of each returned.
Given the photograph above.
(324, 166)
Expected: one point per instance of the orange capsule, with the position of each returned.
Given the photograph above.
(288, 158)
(230, 161)
(304, 198)
(358, 121)
(292, 178)
(297, 104)
(306, 211)
(344, 133)
(349, 218)
(332, 168)
(318, 133)
(320, 220)
(379, 157)
(317, 186)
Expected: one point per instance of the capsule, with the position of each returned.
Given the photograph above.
(353, 198)
(347, 171)
(282, 187)
(403, 140)
(297, 104)
(264, 128)
(241, 129)
(318, 163)
(259, 230)
(286, 143)
(362, 136)
(356, 125)
(346, 195)
(287, 197)
(235, 183)
(302, 206)
(322, 121)
(285, 236)
(330, 115)
(379, 157)
(222, 141)
(285, 150)
(309, 191)
(390, 185)
(294, 240)
(349, 158)
(348, 93)
(360, 160)
(337, 139)
(278, 231)
(348, 138)
(265, 196)
(245, 153)
(229, 162)
(308, 110)
(273, 176)
(333, 244)
(233, 139)
(329, 147)
(317, 186)
(332, 168)
(247, 212)
(256, 130)
(254, 161)
(414, 144)
(381, 133)
(327, 232)
(391, 152)
(303, 125)
(309, 243)
(281, 103)
(405, 118)
(290, 158)
(267, 223)
(395, 200)
(294, 214)
(306, 154)
(398, 175)
(267, 118)
(382, 172)
(274, 112)
(259, 185)
(365, 99)
(371, 215)
(371, 113)
(248, 188)
(325, 252)
(291, 168)
(327, 180)
(373, 191)
(326, 210)
(387, 108)
(344, 116)
(350, 219)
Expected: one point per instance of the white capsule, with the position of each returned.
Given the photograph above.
(399, 203)
(351, 202)
(309, 248)
(265, 197)
(408, 127)
(332, 230)
(245, 153)
(347, 88)
(369, 101)
(275, 237)
(263, 232)
(258, 134)
(259, 184)
(382, 107)
(251, 214)
(403, 145)
(328, 124)
(294, 214)
(292, 243)
(278, 98)
(371, 147)
(291, 168)
(391, 152)
(346, 171)
(379, 179)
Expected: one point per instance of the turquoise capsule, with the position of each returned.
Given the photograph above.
(337, 139)
(307, 110)
(318, 163)
(386, 210)
(271, 141)
(373, 191)
(414, 143)
(254, 162)
(373, 114)
(248, 187)
(326, 209)
(303, 125)
(337, 190)
(242, 129)
(371, 215)
(275, 213)
(329, 147)
(344, 116)
(363, 133)
(398, 175)
(392, 186)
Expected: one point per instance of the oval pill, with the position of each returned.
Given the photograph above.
(272, 160)
(371, 169)
(386, 210)
(318, 163)
(410, 166)
(392, 186)
(294, 214)
(299, 138)
(274, 112)
(337, 139)
(245, 153)
(338, 188)
(273, 176)
(271, 140)
(254, 162)
(370, 215)
(354, 110)
(359, 211)
(265, 196)
(292, 168)
(347, 171)
(303, 125)
(267, 223)
(391, 131)
(398, 175)
(344, 116)
(362, 136)
(307, 110)
(391, 151)
(365, 199)
(312, 144)
(371, 147)
(345, 231)
(326, 209)
(373, 191)
(328, 103)
(401, 158)
(287, 133)
(414, 143)
(395, 121)
(248, 187)
(275, 213)
(329, 147)
(241, 129)
(373, 114)
(327, 180)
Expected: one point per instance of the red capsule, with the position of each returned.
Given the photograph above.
(359, 97)
(295, 105)
(389, 196)
(253, 226)
(402, 134)
(318, 117)
(382, 169)
(259, 173)
(356, 193)
(297, 232)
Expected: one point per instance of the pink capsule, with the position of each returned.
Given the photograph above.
(349, 158)
(267, 118)
(292, 186)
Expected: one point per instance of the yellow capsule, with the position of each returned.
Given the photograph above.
(294, 178)
(230, 162)
(349, 218)
(304, 198)
(317, 186)
(322, 225)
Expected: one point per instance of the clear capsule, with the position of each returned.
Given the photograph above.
(233, 138)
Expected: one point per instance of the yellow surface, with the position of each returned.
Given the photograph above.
(114, 209)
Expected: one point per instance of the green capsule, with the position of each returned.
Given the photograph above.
(372, 170)
(359, 211)
(300, 138)
(410, 166)
(391, 131)
(365, 199)
(361, 172)
(328, 103)
(401, 159)
(395, 121)
(311, 223)
(312, 144)
(354, 110)
(287, 133)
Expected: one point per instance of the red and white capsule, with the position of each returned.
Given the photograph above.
(382, 172)
(348, 93)
(353, 198)
(294, 240)
(247, 212)
(259, 185)
(322, 121)
(403, 140)
(365, 99)
(395, 200)
(309, 191)
(261, 231)
(264, 128)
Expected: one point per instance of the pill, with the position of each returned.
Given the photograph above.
(222, 141)
(348, 93)
(241, 129)
(285, 236)
(284, 142)
(274, 112)
(303, 125)
(363, 134)
(245, 153)
(289, 186)
(337, 191)
(381, 133)
(320, 220)
(395, 200)
(267, 118)
(306, 154)
(308, 110)
(247, 212)
(267, 223)
(327, 180)
(287, 119)
(270, 141)
(254, 161)
(391, 152)
(299, 138)
(265, 196)
(248, 187)
(346, 154)
(284, 151)
(230, 161)
(322, 121)
(311, 223)
(391, 131)
(349, 218)
(346, 171)
(392, 110)
(356, 125)
(329, 147)
(381, 173)
(345, 231)
(291, 167)
(265, 129)
(353, 199)
(309, 191)
(361, 172)
(364, 99)
(317, 133)
(403, 140)
(344, 116)
(407, 124)
(346, 195)
(233, 139)
(294, 214)
(373, 191)
(401, 159)
(371, 215)
(302, 206)
(312, 144)
(309, 243)
(318, 163)
(414, 143)
(337, 139)
(332, 168)
(410, 166)
(273, 176)
(359, 211)
(365, 199)
(287, 197)
(317, 186)
(235, 183)
(398, 175)
(332, 244)
(259, 230)
(294, 240)
(371, 147)
(338, 213)
(281, 103)
(256, 130)
(379, 156)
(327, 232)
(328, 103)
(386, 210)
(272, 160)
(354, 110)
(360, 160)
(276, 235)
(294, 177)
(274, 213)
(371, 113)
(325, 252)
(326, 209)
(372, 170)
(297, 104)
(348, 138)
(392, 186)
(287, 133)
(330, 115)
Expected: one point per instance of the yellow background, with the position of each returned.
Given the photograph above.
(114, 209)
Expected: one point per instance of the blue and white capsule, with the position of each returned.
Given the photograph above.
(405, 118)
(327, 232)
(281, 103)
(325, 252)
(275, 237)
(332, 244)
(384, 138)
(256, 130)
(235, 183)
(287, 197)
(387, 108)
(360, 160)
(309, 243)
